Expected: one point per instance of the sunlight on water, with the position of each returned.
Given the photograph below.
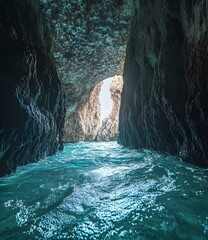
(104, 191)
(108, 171)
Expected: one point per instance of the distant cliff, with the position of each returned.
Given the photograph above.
(32, 102)
(85, 123)
(164, 103)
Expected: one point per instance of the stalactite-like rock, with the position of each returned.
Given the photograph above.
(165, 95)
(32, 105)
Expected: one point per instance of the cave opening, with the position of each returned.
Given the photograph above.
(96, 118)
(109, 101)
(106, 102)
(98, 189)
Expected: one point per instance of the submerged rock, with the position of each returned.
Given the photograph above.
(31, 97)
(165, 96)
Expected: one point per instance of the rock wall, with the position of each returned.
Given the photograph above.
(31, 98)
(89, 44)
(108, 130)
(165, 96)
(84, 123)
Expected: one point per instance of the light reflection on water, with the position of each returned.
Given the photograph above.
(105, 191)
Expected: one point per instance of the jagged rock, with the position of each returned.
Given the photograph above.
(90, 43)
(84, 123)
(109, 127)
(165, 97)
(31, 98)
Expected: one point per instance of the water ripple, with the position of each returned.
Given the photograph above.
(105, 191)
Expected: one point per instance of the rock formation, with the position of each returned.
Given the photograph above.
(164, 100)
(89, 44)
(108, 130)
(84, 123)
(165, 96)
(31, 98)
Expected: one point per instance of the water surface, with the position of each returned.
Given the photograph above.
(104, 191)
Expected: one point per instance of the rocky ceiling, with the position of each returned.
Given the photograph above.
(90, 39)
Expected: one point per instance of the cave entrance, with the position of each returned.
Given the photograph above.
(106, 102)
(110, 98)
(96, 118)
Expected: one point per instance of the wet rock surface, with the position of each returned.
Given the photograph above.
(165, 96)
(32, 105)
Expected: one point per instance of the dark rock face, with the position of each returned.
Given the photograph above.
(31, 98)
(165, 97)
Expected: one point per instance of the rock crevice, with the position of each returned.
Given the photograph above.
(85, 123)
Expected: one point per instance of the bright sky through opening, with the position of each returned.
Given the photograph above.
(105, 98)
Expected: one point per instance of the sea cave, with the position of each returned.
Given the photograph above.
(104, 119)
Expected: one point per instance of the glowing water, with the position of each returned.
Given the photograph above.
(105, 98)
(104, 191)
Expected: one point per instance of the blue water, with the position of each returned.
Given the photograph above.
(105, 191)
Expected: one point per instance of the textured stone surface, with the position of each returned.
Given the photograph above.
(89, 44)
(31, 99)
(165, 95)
(109, 127)
(84, 123)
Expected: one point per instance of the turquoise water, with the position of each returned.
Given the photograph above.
(105, 191)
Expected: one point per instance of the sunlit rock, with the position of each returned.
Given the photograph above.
(84, 123)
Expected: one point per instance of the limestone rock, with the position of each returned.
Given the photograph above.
(89, 44)
(109, 127)
(84, 123)
(32, 105)
(165, 97)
